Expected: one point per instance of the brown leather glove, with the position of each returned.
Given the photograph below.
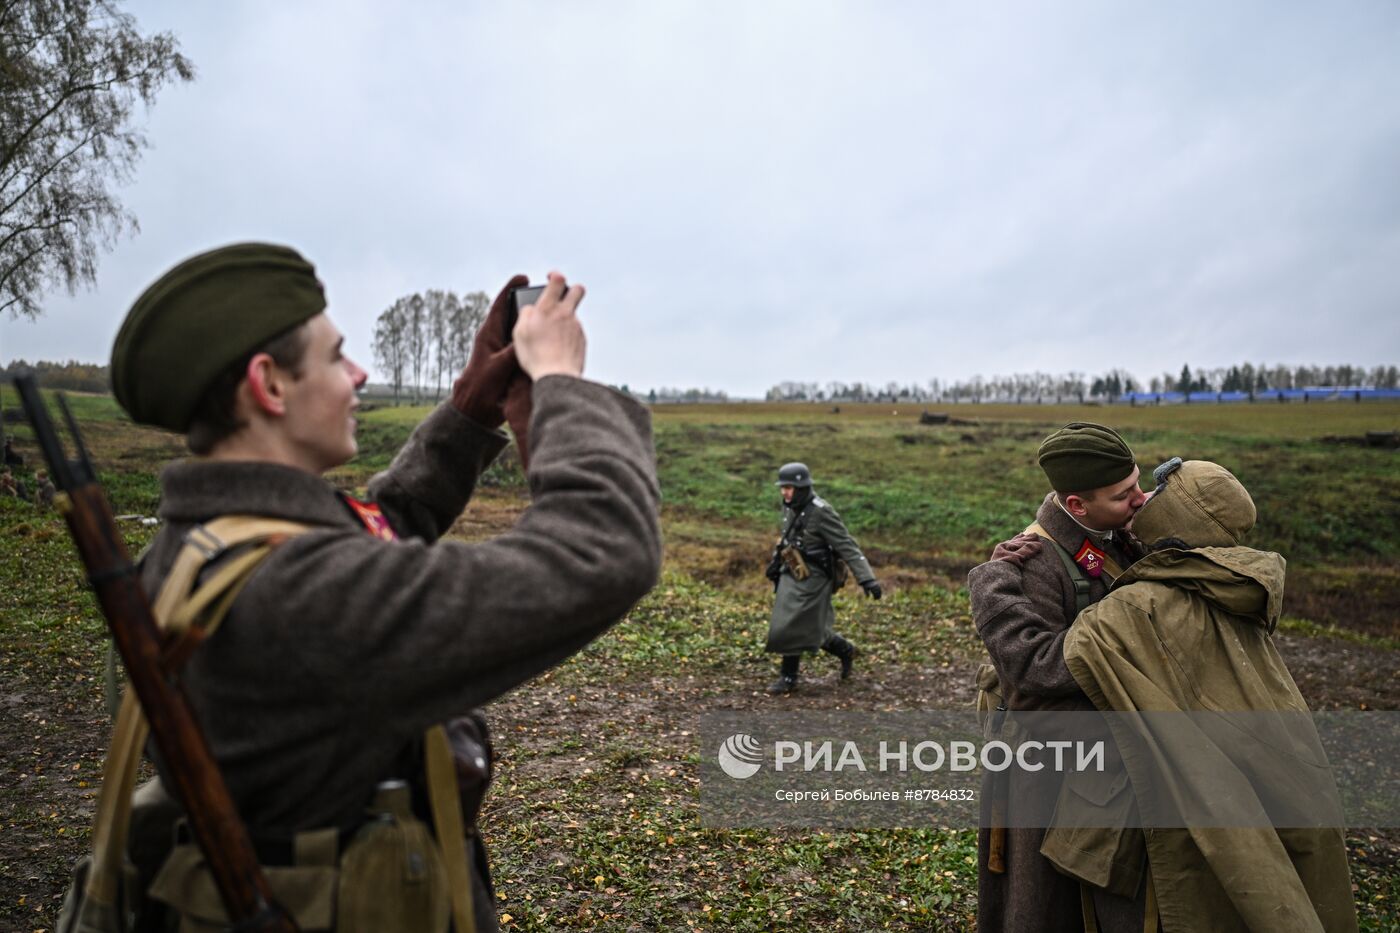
(1018, 549)
(492, 387)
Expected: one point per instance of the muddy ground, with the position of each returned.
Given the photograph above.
(52, 730)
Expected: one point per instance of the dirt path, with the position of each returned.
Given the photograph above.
(53, 730)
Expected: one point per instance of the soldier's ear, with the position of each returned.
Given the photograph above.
(1075, 505)
(266, 385)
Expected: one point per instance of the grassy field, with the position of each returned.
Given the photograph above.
(593, 821)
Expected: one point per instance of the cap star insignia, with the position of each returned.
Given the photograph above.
(1091, 559)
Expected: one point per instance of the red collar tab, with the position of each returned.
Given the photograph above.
(1091, 559)
(373, 519)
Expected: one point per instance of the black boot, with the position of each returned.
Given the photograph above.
(787, 677)
(843, 650)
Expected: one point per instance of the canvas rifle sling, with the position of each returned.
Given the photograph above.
(171, 610)
(448, 825)
(190, 617)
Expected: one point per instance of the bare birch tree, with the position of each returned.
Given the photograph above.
(71, 74)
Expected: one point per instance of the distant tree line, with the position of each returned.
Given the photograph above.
(1249, 378)
(1026, 385)
(426, 336)
(71, 376)
(1110, 386)
(666, 395)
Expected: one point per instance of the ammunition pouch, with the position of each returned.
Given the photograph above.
(840, 573)
(820, 558)
(795, 562)
(390, 877)
(186, 886)
(989, 700)
(826, 560)
(83, 914)
(997, 722)
(800, 563)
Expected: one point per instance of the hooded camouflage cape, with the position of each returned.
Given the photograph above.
(1189, 630)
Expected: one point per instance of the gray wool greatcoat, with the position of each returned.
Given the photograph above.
(344, 647)
(803, 619)
(1023, 614)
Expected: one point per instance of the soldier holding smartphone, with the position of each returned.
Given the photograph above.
(366, 626)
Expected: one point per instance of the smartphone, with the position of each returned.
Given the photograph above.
(524, 295)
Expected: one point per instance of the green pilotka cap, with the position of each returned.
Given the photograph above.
(199, 319)
(1082, 456)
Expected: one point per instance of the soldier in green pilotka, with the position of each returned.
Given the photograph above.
(1023, 602)
(364, 628)
(806, 569)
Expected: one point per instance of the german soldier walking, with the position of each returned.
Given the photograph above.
(803, 569)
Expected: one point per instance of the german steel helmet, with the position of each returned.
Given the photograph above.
(794, 474)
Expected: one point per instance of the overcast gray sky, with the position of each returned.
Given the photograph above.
(761, 191)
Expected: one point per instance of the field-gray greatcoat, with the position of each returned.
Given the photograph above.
(344, 647)
(803, 619)
(1023, 614)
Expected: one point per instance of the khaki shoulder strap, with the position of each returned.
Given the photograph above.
(1077, 578)
(449, 826)
(205, 543)
(176, 608)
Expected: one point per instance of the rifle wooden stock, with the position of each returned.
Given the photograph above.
(996, 833)
(996, 850)
(190, 766)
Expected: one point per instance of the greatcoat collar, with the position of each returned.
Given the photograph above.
(199, 490)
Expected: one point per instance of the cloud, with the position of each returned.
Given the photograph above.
(759, 192)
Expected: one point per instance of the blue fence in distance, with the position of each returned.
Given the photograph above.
(1310, 394)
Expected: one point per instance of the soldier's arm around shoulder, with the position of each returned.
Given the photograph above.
(1019, 613)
